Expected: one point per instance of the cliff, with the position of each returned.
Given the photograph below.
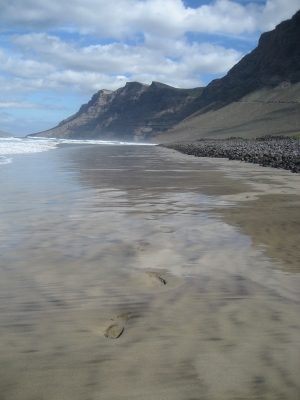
(142, 112)
(274, 61)
(133, 112)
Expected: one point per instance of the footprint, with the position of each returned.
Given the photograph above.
(116, 329)
(156, 278)
(167, 228)
(142, 246)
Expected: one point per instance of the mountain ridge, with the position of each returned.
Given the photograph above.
(145, 112)
(136, 111)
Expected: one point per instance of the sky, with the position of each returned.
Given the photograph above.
(55, 55)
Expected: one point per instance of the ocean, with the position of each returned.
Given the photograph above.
(121, 277)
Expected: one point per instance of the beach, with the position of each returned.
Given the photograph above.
(138, 272)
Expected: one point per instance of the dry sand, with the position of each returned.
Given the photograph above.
(173, 285)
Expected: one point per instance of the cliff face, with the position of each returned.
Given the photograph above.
(134, 112)
(275, 61)
(140, 112)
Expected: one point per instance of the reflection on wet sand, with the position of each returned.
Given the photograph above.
(142, 248)
(273, 222)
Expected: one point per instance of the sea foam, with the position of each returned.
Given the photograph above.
(37, 145)
(23, 146)
(97, 142)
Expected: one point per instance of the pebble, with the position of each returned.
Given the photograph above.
(267, 151)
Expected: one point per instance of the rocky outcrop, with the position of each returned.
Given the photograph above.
(267, 151)
(133, 112)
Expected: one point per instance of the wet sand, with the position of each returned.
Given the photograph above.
(142, 273)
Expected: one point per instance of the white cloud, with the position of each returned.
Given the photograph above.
(276, 11)
(122, 18)
(42, 61)
(25, 105)
(15, 104)
(16, 65)
(53, 63)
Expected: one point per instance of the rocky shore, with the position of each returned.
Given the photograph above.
(267, 151)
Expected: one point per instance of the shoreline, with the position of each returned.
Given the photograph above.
(268, 151)
(267, 202)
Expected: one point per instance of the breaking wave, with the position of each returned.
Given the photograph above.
(37, 145)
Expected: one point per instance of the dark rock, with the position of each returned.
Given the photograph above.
(274, 62)
(133, 112)
(267, 151)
